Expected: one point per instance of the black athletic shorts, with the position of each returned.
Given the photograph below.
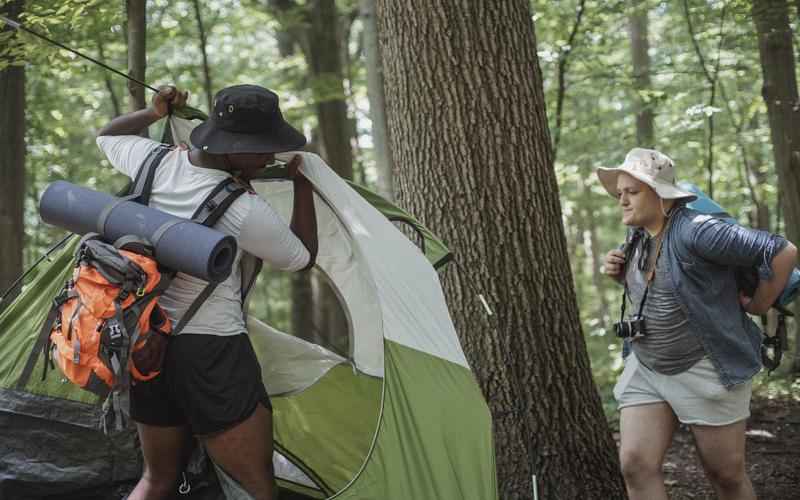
(209, 383)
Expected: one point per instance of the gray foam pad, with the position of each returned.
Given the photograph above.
(186, 246)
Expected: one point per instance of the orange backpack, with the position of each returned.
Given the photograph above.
(108, 323)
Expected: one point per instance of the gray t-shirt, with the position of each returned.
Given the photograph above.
(670, 346)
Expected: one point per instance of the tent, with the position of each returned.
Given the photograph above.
(394, 412)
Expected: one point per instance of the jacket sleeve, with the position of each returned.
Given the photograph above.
(729, 244)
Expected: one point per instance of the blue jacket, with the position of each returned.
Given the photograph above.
(701, 252)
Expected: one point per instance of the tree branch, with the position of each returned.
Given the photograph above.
(712, 81)
(563, 58)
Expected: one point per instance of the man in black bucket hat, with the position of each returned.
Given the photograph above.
(210, 383)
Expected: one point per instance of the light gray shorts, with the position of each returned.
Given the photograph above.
(696, 396)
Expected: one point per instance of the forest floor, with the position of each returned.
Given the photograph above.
(773, 455)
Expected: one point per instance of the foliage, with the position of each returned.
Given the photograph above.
(68, 99)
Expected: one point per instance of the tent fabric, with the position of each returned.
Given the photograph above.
(398, 415)
(436, 428)
(411, 299)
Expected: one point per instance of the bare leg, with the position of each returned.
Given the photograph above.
(164, 450)
(721, 450)
(245, 453)
(645, 435)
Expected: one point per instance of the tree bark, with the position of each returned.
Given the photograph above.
(466, 116)
(377, 100)
(12, 160)
(640, 45)
(201, 31)
(775, 46)
(137, 51)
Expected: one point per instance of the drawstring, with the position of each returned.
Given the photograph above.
(184, 487)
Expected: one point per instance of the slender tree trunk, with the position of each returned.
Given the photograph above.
(759, 173)
(325, 63)
(640, 45)
(377, 99)
(596, 259)
(207, 85)
(712, 76)
(137, 53)
(466, 118)
(776, 49)
(12, 160)
(108, 81)
(561, 76)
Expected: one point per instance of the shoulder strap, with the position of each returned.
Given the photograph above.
(207, 214)
(143, 184)
(218, 201)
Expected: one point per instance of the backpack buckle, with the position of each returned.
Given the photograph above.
(140, 291)
(115, 334)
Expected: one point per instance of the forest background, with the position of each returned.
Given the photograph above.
(683, 76)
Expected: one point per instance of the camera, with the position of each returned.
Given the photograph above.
(634, 327)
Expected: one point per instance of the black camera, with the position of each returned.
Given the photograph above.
(634, 327)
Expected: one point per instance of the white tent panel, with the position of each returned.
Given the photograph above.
(286, 470)
(414, 309)
(339, 260)
(288, 364)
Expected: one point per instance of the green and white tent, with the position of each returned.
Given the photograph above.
(392, 413)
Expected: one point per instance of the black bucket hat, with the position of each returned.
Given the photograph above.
(246, 119)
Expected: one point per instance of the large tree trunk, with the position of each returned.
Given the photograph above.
(637, 29)
(377, 99)
(12, 160)
(137, 51)
(325, 63)
(466, 117)
(775, 45)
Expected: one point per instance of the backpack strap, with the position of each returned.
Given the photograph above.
(217, 202)
(208, 214)
(42, 342)
(143, 183)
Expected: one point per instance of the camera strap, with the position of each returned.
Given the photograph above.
(651, 273)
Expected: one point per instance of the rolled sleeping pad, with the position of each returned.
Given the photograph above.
(706, 205)
(179, 244)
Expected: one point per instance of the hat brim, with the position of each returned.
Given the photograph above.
(211, 139)
(608, 178)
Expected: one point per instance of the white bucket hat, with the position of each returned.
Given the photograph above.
(653, 168)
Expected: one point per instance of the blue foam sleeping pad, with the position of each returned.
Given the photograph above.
(706, 205)
(188, 247)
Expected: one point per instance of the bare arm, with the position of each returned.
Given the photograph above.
(133, 123)
(304, 215)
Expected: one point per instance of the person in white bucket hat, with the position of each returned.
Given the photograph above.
(690, 348)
